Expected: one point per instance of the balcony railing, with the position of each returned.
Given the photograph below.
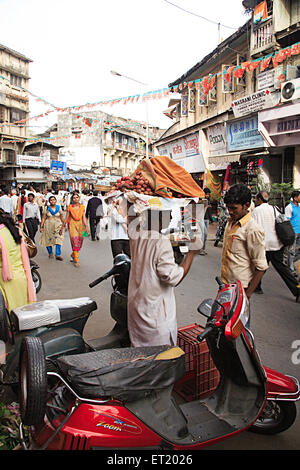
(262, 37)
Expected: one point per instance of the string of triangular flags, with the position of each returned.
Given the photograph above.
(207, 82)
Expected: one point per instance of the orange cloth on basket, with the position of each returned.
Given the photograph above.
(164, 174)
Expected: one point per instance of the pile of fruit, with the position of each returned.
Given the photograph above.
(137, 183)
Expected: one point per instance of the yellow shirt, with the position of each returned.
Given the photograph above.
(243, 251)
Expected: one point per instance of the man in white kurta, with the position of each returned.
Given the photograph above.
(151, 299)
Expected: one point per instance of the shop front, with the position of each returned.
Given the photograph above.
(219, 160)
(280, 128)
(244, 139)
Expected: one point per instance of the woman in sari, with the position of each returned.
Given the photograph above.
(15, 281)
(77, 224)
(52, 228)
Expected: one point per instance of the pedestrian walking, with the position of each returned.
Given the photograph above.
(6, 203)
(77, 225)
(52, 228)
(14, 199)
(15, 279)
(118, 229)
(292, 211)
(243, 254)
(22, 199)
(207, 219)
(31, 216)
(94, 213)
(265, 214)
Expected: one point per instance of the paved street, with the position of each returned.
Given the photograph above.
(275, 315)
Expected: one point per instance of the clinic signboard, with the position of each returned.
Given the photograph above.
(252, 103)
(243, 134)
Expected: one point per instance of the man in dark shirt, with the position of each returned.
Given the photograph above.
(207, 218)
(94, 212)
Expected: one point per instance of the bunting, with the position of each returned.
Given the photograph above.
(205, 84)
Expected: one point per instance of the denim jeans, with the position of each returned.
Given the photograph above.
(57, 250)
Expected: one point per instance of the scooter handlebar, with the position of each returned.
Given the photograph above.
(102, 278)
(205, 333)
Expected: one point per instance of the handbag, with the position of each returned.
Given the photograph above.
(30, 245)
(284, 228)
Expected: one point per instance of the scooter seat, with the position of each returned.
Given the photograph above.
(125, 374)
(48, 312)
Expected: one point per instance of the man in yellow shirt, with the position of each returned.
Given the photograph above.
(243, 255)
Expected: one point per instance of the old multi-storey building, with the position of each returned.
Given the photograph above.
(219, 131)
(14, 107)
(98, 140)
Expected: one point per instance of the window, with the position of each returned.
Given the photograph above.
(15, 80)
(16, 115)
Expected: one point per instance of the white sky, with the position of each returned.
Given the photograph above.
(75, 43)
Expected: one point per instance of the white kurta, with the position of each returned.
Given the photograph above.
(151, 299)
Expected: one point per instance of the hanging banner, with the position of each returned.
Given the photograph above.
(260, 12)
(252, 103)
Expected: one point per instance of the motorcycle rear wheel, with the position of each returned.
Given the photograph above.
(32, 381)
(276, 417)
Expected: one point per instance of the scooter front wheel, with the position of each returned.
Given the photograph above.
(276, 417)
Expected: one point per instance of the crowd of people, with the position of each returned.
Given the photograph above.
(250, 243)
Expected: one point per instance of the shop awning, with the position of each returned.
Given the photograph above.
(220, 161)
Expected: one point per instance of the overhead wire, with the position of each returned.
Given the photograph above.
(199, 16)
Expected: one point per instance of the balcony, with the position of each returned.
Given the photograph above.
(262, 37)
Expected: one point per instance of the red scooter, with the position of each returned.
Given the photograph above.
(124, 398)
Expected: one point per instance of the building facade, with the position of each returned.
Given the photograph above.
(14, 107)
(106, 145)
(224, 96)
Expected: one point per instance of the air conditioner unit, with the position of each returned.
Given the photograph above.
(290, 90)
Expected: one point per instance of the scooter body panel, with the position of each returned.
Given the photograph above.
(280, 386)
(100, 427)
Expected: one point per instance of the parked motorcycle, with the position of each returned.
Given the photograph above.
(36, 277)
(122, 398)
(60, 324)
(222, 221)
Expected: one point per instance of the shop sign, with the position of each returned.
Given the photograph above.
(216, 137)
(58, 168)
(42, 161)
(265, 79)
(243, 134)
(252, 103)
(185, 152)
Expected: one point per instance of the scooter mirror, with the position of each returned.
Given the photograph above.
(205, 307)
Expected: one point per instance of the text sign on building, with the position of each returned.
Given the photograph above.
(42, 161)
(58, 167)
(243, 134)
(266, 80)
(216, 137)
(252, 103)
(185, 152)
